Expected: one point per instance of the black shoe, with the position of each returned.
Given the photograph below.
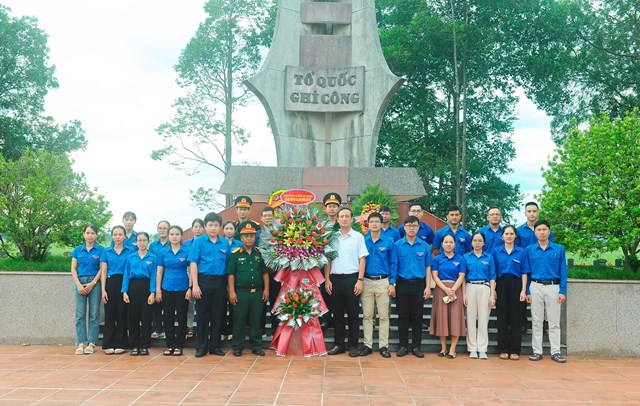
(144, 351)
(336, 350)
(535, 357)
(416, 351)
(353, 352)
(402, 351)
(384, 351)
(557, 357)
(200, 353)
(135, 352)
(365, 351)
(258, 352)
(237, 353)
(218, 352)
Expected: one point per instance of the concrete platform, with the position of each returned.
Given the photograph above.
(52, 375)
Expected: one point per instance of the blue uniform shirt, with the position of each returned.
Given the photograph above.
(156, 247)
(462, 237)
(493, 238)
(526, 236)
(382, 259)
(480, 268)
(235, 244)
(514, 264)
(390, 232)
(413, 259)
(425, 232)
(175, 277)
(130, 241)
(548, 264)
(449, 269)
(88, 260)
(115, 262)
(211, 257)
(140, 268)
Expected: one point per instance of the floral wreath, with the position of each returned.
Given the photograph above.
(367, 208)
(299, 240)
(297, 307)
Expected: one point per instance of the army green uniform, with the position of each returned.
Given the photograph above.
(247, 270)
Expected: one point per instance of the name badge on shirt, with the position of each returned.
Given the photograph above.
(95, 257)
(382, 248)
(241, 259)
(456, 263)
(148, 262)
(484, 263)
(182, 259)
(420, 254)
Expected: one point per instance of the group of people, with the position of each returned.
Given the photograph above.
(231, 285)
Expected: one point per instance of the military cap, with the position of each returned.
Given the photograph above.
(243, 201)
(247, 227)
(332, 198)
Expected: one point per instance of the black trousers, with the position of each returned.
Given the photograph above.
(139, 314)
(345, 301)
(156, 317)
(115, 315)
(274, 290)
(328, 300)
(174, 303)
(209, 310)
(509, 312)
(410, 307)
(227, 318)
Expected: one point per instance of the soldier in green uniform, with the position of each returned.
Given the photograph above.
(248, 290)
(243, 205)
(332, 202)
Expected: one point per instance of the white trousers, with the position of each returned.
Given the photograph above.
(478, 311)
(544, 300)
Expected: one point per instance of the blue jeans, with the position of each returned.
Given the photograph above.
(93, 301)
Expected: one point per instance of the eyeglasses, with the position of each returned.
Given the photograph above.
(415, 211)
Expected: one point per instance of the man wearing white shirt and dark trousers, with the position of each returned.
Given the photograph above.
(344, 282)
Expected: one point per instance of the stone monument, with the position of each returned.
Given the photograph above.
(325, 86)
(325, 83)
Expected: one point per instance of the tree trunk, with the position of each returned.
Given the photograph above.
(463, 164)
(228, 129)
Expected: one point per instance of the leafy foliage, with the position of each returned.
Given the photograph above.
(592, 194)
(43, 202)
(379, 196)
(25, 78)
(224, 51)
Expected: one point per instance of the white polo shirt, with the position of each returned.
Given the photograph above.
(351, 249)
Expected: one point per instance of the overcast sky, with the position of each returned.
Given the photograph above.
(114, 63)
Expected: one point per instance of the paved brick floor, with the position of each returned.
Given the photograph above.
(52, 375)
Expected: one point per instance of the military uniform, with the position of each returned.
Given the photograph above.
(329, 198)
(244, 202)
(249, 272)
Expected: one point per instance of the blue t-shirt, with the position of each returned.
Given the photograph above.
(515, 263)
(493, 239)
(449, 269)
(462, 237)
(210, 256)
(88, 260)
(175, 277)
(413, 259)
(140, 268)
(156, 247)
(527, 236)
(549, 264)
(480, 268)
(116, 262)
(425, 232)
(382, 259)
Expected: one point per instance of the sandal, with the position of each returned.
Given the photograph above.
(451, 355)
(504, 355)
(190, 333)
(168, 351)
(442, 354)
(514, 357)
(177, 352)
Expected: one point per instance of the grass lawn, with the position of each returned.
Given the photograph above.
(610, 257)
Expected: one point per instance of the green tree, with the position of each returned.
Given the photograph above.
(592, 191)
(453, 119)
(25, 78)
(224, 51)
(43, 202)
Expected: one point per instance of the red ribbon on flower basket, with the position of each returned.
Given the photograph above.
(298, 310)
(310, 280)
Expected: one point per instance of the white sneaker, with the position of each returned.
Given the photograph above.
(118, 351)
(80, 349)
(230, 337)
(483, 355)
(90, 349)
(473, 354)
(154, 335)
(109, 351)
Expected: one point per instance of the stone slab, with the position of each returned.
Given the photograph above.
(325, 51)
(325, 13)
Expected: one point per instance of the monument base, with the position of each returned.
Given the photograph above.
(259, 182)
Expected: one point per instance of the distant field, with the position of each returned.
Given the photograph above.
(610, 257)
